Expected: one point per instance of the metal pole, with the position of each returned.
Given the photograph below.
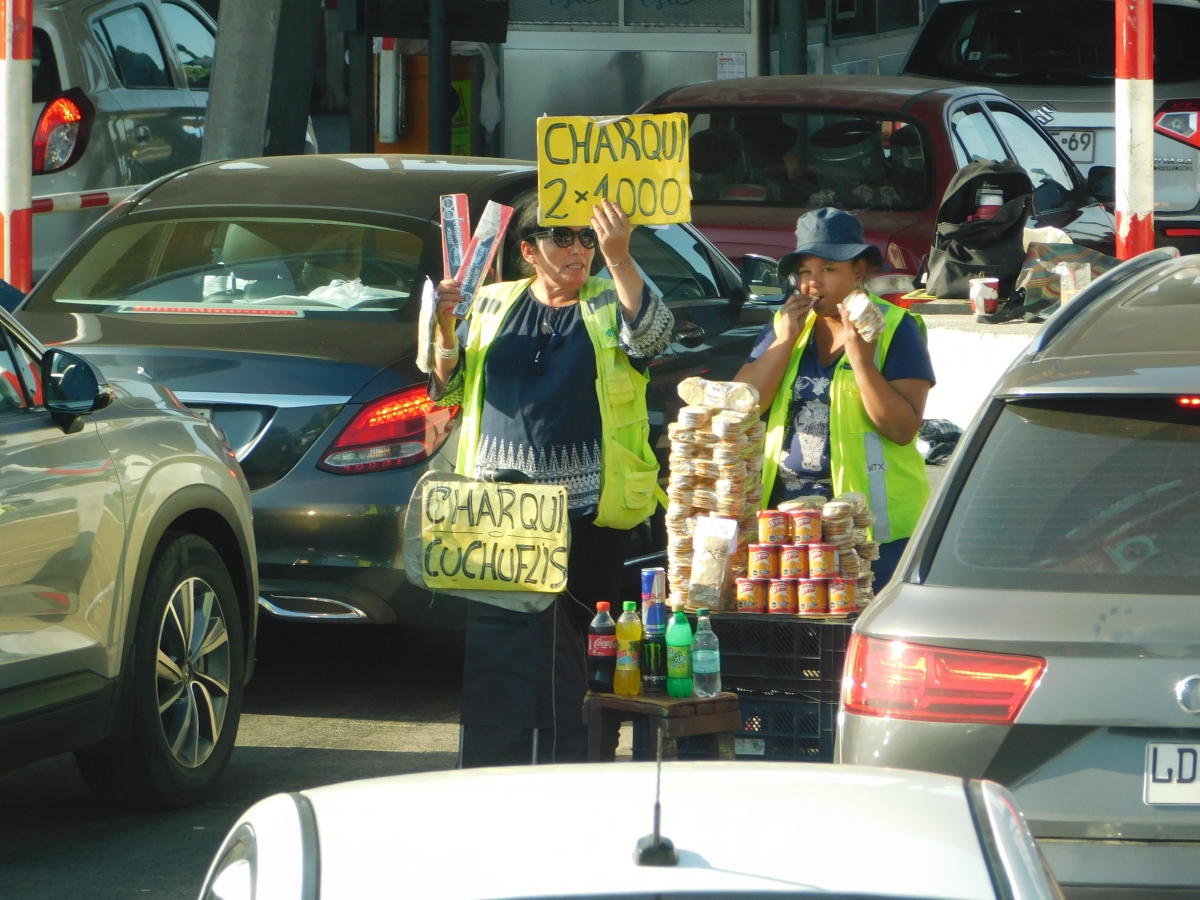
(1135, 127)
(441, 104)
(388, 93)
(16, 139)
(236, 126)
(793, 37)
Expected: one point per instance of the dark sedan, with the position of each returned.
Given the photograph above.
(280, 296)
(764, 150)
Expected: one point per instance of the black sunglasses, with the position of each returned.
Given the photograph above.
(564, 237)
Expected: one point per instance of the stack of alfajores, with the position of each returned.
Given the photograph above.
(715, 464)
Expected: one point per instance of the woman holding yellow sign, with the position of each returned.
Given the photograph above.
(551, 385)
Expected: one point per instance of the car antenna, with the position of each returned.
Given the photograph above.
(654, 849)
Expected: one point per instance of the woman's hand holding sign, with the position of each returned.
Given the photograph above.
(613, 232)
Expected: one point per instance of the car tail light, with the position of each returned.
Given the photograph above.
(1190, 402)
(1180, 119)
(61, 133)
(892, 287)
(394, 431)
(934, 684)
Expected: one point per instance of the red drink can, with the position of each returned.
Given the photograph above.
(781, 596)
(773, 527)
(751, 595)
(793, 561)
(764, 561)
(812, 599)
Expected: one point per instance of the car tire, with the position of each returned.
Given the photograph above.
(187, 683)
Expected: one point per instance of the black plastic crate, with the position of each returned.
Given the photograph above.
(780, 727)
(765, 653)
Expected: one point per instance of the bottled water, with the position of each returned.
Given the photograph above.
(706, 658)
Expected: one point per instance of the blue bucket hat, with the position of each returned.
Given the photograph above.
(829, 234)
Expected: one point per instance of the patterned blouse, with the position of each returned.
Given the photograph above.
(540, 412)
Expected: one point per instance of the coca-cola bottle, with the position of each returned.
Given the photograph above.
(602, 650)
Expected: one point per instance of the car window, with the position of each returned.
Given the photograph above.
(1053, 186)
(1048, 42)
(1095, 495)
(12, 393)
(975, 138)
(807, 158)
(133, 48)
(249, 266)
(193, 42)
(46, 82)
(673, 259)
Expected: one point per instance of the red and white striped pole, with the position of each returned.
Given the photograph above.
(16, 142)
(1135, 127)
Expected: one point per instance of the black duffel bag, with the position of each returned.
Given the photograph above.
(985, 248)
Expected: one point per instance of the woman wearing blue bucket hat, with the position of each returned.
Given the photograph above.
(843, 413)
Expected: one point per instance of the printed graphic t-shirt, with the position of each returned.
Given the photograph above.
(804, 465)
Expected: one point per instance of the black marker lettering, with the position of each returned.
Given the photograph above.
(503, 494)
(429, 553)
(604, 141)
(587, 137)
(653, 126)
(457, 565)
(531, 523)
(550, 157)
(471, 548)
(627, 140)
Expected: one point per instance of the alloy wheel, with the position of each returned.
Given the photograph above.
(193, 671)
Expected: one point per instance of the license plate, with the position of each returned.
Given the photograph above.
(1080, 145)
(1171, 775)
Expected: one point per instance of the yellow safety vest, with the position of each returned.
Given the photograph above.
(629, 489)
(861, 459)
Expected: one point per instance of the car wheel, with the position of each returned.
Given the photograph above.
(187, 678)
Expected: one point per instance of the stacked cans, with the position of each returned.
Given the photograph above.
(715, 464)
(812, 558)
(654, 631)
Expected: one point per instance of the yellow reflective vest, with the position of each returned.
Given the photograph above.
(629, 489)
(861, 459)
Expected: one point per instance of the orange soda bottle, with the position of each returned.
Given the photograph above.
(628, 677)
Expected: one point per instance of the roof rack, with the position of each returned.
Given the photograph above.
(1101, 287)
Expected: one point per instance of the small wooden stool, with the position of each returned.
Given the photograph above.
(675, 717)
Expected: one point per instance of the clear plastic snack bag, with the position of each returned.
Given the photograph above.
(732, 395)
(865, 316)
(713, 543)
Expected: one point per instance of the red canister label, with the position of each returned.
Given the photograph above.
(822, 561)
(793, 561)
(812, 598)
(806, 526)
(781, 596)
(773, 527)
(751, 595)
(763, 561)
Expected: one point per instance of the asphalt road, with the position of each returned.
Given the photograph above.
(326, 704)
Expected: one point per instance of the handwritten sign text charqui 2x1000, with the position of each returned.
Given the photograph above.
(638, 162)
(495, 537)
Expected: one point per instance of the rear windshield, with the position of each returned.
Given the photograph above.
(1101, 496)
(247, 266)
(1047, 42)
(807, 159)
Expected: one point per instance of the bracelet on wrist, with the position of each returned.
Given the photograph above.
(445, 352)
(618, 265)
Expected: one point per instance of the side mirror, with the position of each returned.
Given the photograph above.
(71, 387)
(1102, 183)
(760, 279)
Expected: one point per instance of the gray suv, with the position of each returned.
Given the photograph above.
(1043, 629)
(127, 579)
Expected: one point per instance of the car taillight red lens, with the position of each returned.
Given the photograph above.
(1190, 402)
(1180, 119)
(910, 681)
(56, 134)
(389, 433)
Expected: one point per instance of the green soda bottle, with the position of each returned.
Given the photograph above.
(679, 656)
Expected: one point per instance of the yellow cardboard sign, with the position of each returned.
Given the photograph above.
(494, 537)
(638, 162)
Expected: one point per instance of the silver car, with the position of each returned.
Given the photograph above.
(1043, 628)
(127, 579)
(120, 96)
(1056, 58)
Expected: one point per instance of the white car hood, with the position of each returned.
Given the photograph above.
(570, 830)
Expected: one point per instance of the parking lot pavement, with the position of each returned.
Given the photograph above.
(326, 704)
